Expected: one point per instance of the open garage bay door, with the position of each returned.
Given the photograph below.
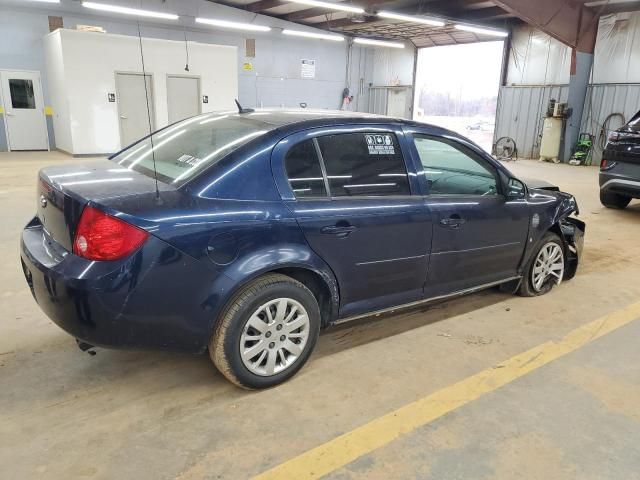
(463, 96)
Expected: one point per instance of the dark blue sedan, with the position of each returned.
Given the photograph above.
(246, 233)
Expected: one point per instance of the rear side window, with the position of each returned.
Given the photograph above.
(304, 172)
(364, 164)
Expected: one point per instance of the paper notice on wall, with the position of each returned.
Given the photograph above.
(308, 68)
(380, 144)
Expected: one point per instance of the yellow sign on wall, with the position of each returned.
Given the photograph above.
(247, 66)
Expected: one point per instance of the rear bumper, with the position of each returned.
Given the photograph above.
(156, 298)
(619, 184)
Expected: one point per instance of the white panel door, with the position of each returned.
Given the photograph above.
(24, 110)
(135, 120)
(183, 97)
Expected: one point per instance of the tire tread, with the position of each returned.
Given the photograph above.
(216, 344)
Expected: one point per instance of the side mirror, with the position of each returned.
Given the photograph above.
(515, 189)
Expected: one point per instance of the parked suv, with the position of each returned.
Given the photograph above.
(620, 166)
(246, 233)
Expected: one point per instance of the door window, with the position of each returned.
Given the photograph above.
(304, 172)
(21, 92)
(364, 164)
(450, 170)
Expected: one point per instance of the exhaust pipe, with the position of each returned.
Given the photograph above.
(86, 347)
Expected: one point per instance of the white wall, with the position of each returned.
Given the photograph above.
(394, 66)
(537, 59)
(274, 81)
(57, 88)
(89, 62)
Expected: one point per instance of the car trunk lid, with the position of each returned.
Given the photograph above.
(64, 190)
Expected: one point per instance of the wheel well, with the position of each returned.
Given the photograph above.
(555, 228)
(318, 287)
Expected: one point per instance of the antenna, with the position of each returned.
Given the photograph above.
(243, 110)
(146, 95)
(186, 48)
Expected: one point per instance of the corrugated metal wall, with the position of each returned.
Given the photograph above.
(605, 100)
(521, 109)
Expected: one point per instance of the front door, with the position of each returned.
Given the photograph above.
(478, 236)
(183, 97)
(24, 110)
(354, 204)
(135, 107)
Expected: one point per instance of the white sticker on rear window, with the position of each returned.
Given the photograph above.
(380, 144)
(189, 160)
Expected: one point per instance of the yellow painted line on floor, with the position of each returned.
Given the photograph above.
(346, 448)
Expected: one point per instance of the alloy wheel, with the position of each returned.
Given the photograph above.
(274, 337)
(548, 266)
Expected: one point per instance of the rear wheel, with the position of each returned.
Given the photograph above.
(614, 200)
(545, 269)
(267, 333)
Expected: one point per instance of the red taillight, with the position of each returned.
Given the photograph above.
(603, 164)
(102, 237)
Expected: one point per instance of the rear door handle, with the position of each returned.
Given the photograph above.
(454, 221)
(339, 230)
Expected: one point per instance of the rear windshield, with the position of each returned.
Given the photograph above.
(184, 149)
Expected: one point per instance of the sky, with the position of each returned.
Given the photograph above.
(473, 68)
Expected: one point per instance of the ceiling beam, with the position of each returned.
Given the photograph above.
(308, 13)
(262, 5)
(565, 20)
(485, 14)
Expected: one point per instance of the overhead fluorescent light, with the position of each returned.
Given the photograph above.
(329, 5)
(411, 18)
(482, 31)
(321, 36)
(129, 11)
(378, 43)
(236, 25)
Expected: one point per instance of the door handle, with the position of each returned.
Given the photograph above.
(124, 117)
(339, 230)
(454, 221)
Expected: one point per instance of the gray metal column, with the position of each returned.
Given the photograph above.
(578, 84)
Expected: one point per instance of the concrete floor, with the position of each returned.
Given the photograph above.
(154, 415)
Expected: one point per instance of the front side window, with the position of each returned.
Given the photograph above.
(184, 149)
(303, 171)
(450, 170)
(364, 164)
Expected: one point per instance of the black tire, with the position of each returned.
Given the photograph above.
(614, 200)
(527, 288)
(225, 344)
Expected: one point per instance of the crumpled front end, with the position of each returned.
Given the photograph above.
(573, 234)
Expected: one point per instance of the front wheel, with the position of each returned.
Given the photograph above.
(267, 333)
(545, 269)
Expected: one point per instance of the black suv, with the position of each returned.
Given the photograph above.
(620, 166)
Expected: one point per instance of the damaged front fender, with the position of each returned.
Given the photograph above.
(572, 231)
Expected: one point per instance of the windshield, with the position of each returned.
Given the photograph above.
(184, 149)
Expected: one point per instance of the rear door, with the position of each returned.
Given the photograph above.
(353, 196)
(478, 236)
